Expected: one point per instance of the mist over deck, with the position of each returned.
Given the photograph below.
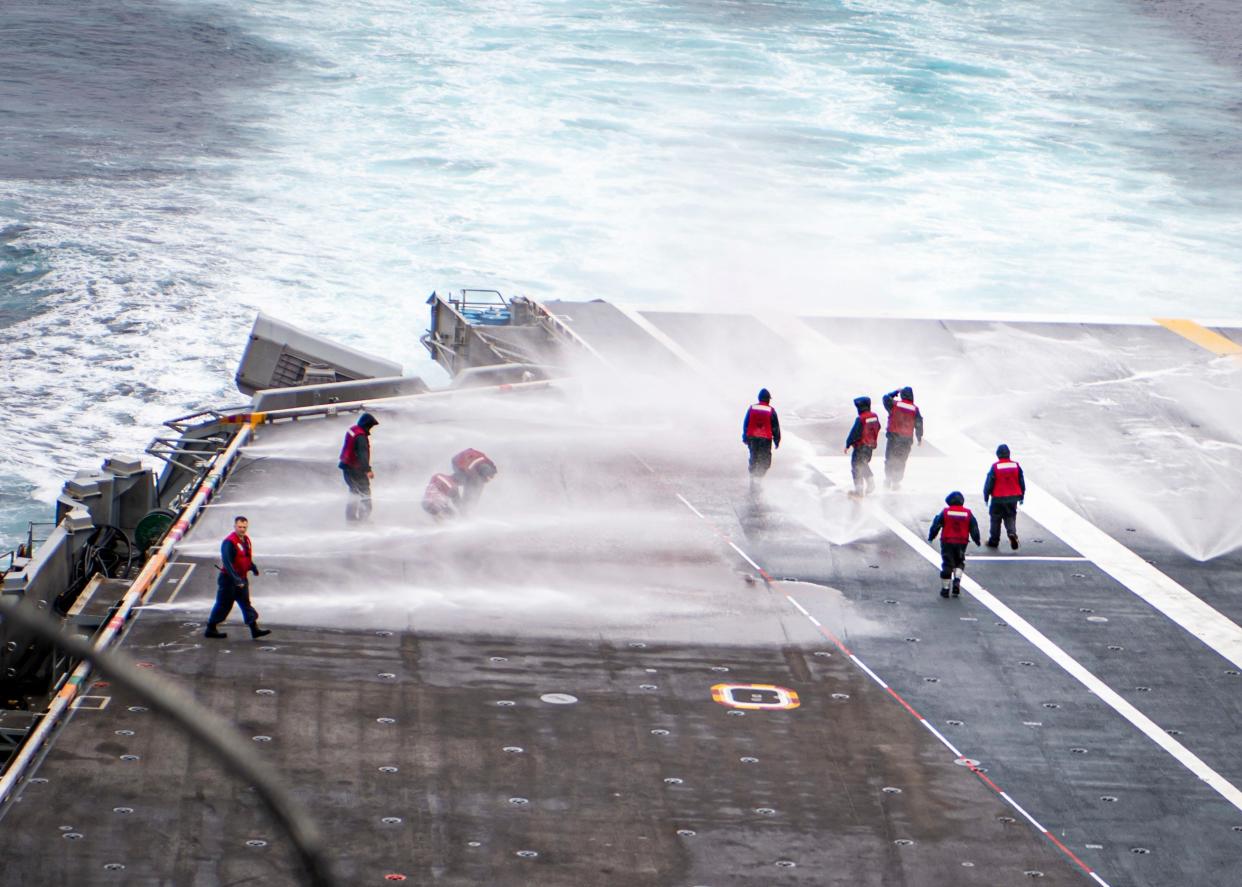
(533, 695)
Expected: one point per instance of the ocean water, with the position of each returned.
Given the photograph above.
(167, 168)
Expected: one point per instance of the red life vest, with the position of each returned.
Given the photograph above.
(1005, 478)
(441, 496)
(955, 525)
(901, 418)
(759, 421)
(243, 559)
(441, 486)
(349, 452)
(470, 461)
(870, 429)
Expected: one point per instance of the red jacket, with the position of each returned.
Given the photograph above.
(470, 461)
(870, 429)
(442, 493)
(1007, 479)
(901, 418)
(760, 422)
(243, 556)
(350, 457)
(955, 524)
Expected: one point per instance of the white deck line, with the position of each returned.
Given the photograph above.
(181, 583)
(1031, 819)
(1154, 732)
(949, 745)
(664, 339)
(1096, 544)
(1022, 557)
(747, 557)
(875, 677)
(1162, 592)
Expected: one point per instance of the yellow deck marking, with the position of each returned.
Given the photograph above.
(1201, 336)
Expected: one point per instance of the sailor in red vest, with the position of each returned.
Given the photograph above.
(472, 470)
(905, 423)
(1006, 487)
(761, 431)
(956, 526)
(233, 584)
(442, 499)
(863, 437)
(355, 464)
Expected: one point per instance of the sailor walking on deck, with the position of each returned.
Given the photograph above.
(863, 438)
(233, 585)
(761, 431)
(956, 526)
(355, 464)
(1006, 487)
(905, 423)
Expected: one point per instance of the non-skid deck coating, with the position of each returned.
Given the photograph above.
(600, 536)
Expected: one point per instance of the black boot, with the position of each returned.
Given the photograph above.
(944, 592)
(213, 632)
(256, 632)
(957, 587)
(1013, 541)
(992, 543)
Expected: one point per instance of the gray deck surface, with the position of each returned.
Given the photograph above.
(585, 572)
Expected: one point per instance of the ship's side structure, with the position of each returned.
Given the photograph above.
(629, 665)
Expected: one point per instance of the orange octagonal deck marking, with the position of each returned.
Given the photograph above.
(755, 697)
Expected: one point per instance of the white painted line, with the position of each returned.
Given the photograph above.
(1098, 879)
(664, 339)
(91, 703)
(1165, 594)
(801, 609)
(1207, 624)
(746, 556)
(1183, 755)
(875, 677)
(643, 462)
(1031, 819)
(1020, 557)
(949, 745)
(177, 590)
(686, 502)
(815, 622)
(1159, 590)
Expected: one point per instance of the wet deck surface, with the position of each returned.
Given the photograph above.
(599, 565)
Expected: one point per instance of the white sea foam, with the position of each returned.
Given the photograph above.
(891, 156)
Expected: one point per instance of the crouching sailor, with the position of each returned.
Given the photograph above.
(472, 470)
(233, 585)
(956, 526)
(442, 500)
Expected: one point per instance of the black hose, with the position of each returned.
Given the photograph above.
(202, 724)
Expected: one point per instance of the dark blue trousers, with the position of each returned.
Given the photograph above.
(228, 593)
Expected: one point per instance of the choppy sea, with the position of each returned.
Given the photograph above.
(168, 167)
